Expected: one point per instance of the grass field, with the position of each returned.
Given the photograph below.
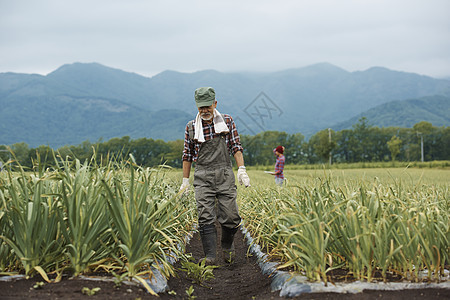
(410, 176)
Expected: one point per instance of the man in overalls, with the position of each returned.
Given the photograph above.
(209, 140)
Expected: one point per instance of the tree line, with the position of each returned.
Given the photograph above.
(361, 143)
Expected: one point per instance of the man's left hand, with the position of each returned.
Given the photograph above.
(243, 177)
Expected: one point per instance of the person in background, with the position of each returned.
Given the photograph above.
(209, 140)
(279, 165)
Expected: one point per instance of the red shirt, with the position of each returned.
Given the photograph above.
(191, 147)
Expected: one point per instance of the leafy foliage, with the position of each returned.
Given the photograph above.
(198, 272)
(90, 292)
(363, 143)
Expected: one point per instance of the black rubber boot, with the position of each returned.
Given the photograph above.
(208, 235)
(227, 243)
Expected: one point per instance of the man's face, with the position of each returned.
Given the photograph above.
(207, 112)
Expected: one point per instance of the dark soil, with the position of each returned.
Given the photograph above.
(241, 280)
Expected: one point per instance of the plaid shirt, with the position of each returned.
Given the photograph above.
(279, 166)
(191, 147)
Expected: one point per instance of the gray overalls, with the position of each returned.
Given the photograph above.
(214, 179)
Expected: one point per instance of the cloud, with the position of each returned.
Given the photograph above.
(149, 37)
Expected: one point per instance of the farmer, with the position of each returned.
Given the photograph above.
(209, 140)
(279, 165)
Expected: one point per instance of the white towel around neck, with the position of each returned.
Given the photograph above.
(219, 126)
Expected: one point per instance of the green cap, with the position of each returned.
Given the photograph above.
(205, 96)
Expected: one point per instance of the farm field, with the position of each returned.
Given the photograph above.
(363, 224)
(374, 223)
(365, 175)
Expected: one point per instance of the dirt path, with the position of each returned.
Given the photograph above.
(242, 280)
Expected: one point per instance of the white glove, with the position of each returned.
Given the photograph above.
(243, 177)
(185, 185)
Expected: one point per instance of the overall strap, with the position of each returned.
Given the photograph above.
(191, 129)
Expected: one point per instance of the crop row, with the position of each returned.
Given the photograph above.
(84, 218)
(369, 230)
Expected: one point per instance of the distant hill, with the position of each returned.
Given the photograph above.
(405, 113)
(79, 101)
(67, 110)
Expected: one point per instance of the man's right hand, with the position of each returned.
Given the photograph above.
(185, 185)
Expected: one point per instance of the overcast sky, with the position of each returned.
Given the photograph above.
(148, 37)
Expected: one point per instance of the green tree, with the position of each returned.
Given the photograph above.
(343, 153)
(21, 151)
(258, 149)
(322, 144)
(443, 144)
(424, 132)
(174, 156)
(115, 147)
(394, 145)
(149, 152)
(423, 127)
(361, 140)
(295, 149)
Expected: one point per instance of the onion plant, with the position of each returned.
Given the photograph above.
(367, 228)
(81, 216)
(32, 219)
(85, 215)
(142, 219)
(7, 259)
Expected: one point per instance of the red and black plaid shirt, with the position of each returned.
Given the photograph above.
(191, 147)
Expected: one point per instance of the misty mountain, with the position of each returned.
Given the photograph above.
(79, 102)
(405, 113)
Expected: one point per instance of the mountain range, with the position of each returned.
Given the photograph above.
(405, 113)
(89, 101)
